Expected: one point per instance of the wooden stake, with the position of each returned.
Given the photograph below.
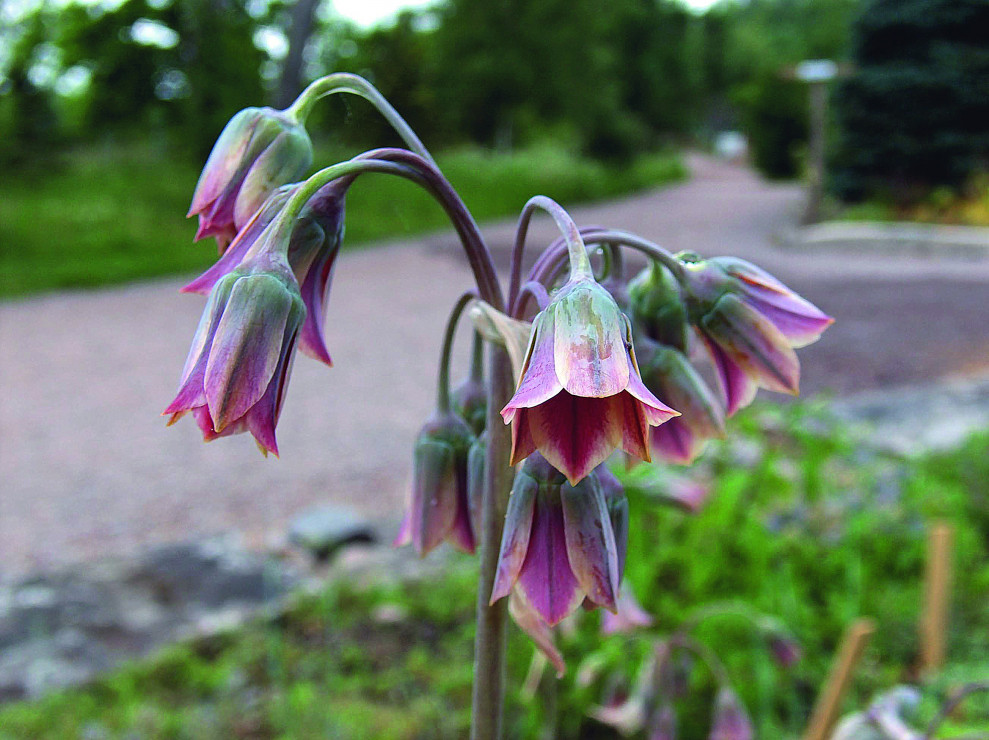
(937, 588)
(828, 704)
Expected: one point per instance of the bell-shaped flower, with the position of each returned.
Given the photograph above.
(580, 396)
(312, 251)
(440, 507)
(558, 545)
(750, 322)
(731, 721)
(669, 373)
(238, 367)
(258, 150)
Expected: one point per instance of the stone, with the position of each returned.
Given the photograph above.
(323, 530)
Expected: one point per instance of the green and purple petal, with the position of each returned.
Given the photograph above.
(754, 344)
(515, 535)
(737, 389)
(434, 494)
(590, 541)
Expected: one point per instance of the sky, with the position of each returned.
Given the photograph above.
(369, 12)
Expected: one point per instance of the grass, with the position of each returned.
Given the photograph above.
(806, 526)
(114, 214)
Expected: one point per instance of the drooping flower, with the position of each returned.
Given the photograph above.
(580, 396)
(669, 373)
(440, 507)
(750, 323)
(312, 251)
(731, 721)
(558, 545)
(238, 367)
(258, 150)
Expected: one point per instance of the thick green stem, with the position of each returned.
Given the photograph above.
(443, 381)
(492, 619)
(343, 82)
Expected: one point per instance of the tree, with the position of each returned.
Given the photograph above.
(913, 116)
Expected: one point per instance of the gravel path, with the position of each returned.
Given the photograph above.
(88, 469)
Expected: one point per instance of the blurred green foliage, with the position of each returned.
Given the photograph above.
(109, 214)
(606, 79)
(804, 523)
(913, 115)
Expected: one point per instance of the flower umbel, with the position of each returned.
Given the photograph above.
(580, 396)
(258, 150)
(238, 367)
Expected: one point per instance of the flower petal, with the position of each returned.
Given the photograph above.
(515, 535)
(754, 344)
(737, 389)
(674, 442)
(523, 444)
(546, 580)
(539, 382)
(590, 542)
(576, 434)
(434, 494)
(529, 621)
(246, 347)
(589, 348)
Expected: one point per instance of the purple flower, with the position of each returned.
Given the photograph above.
(668, 372)
(580, 396)
(750, 323)
(558, 545)
(629, 616)
(258, 150)
(238, 367)
(440, 506)
(731, 722)
(312, 252)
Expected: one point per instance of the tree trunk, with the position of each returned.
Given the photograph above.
(290, 83)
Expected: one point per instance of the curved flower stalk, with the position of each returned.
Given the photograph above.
(235, 376)
(259, 150)
(750, 323)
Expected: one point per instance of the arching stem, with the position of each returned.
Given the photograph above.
(580, 263)
(443, 380)
(343, 82)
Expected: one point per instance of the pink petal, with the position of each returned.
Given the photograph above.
(539, 382)
(546, 580)
(246, 348)
(800, 324)
(523, 444)
(754, 344)
(515, 536)
(590, 543)
(529, 621)
(232, 257)
(737, 389)
(263, 416)
(434, 495)
(461, 534)
(635, 428)
(628, 616)
(656, 412)
(576, 434)
(314, 289)
(673, 442)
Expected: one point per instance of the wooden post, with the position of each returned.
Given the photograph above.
(828, 704)
(937, 587)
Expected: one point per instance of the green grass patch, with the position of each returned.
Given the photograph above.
(808, 527)
(109, 215)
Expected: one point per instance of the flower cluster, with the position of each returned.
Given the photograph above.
(604, 365)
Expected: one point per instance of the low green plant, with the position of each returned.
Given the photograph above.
(803, 522)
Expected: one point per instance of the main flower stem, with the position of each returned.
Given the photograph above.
(580, 263)
(344, 82)
(492, 619)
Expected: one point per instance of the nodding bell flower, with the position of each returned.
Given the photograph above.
(558, 545)
(731, 721)
(312, 252)
(258, 150)
(657, 309)
(750, 323)
(236, 373)
(580, 396)
(669, 373)
(440, 508)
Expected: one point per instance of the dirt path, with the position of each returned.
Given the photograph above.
(87, 467)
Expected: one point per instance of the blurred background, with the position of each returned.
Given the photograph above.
(841, 144)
